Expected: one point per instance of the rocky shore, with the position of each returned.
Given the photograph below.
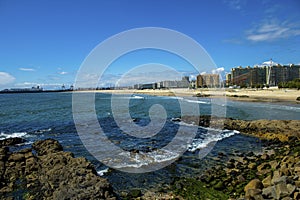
(45, 171)
(272, 174)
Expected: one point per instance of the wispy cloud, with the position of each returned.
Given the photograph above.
(63, 73)
(272, 30)
(27, 69)
(6, 78)
(235, 4)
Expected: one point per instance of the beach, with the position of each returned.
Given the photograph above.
(260, 95)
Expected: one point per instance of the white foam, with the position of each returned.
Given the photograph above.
(195, 101)
(137, 97)
(12, 135)
(203, 143)
(102, 172)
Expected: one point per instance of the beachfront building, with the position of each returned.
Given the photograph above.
(271, 74)
(208, 80)
(183, 83)
(145, 86)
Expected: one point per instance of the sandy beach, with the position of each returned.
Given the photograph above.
(269, 95)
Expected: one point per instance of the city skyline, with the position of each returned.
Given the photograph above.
(44, 43)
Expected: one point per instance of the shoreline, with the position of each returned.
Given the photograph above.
(249, 95)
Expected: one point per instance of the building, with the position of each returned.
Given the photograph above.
(270, 75)
(208, 80)
(145, 86)
(183, 83)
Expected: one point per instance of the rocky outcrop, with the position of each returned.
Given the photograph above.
(265, 129)
(46, 172)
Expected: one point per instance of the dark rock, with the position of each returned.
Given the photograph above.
(44, 147)
(53, 174)
(11, 141)
(134, 193)
(16, 157)
(219, 185)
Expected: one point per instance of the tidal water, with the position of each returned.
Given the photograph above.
(49, 115)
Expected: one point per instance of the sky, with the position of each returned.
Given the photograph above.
(45, 42)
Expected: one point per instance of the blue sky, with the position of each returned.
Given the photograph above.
(45, 42)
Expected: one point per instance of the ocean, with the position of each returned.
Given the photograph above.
(37, 116)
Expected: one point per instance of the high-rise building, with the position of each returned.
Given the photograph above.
(208, 80)
(267, 75)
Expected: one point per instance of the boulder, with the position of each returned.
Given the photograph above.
(254, 184)
(52, 174)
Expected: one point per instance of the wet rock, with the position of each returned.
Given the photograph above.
(11, 141)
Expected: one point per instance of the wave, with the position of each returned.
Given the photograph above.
(12, 135)
(137, 97)
(208, 139)
(213, 135)
(196, 101)
(102, 172)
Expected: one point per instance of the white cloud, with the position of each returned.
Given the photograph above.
(218, 70)
(27, 69)
(63, 73)
(6, 78)
(272, 30)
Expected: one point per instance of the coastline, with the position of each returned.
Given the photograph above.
(235, 176)
(250, 95)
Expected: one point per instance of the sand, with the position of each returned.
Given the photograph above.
(269, 95)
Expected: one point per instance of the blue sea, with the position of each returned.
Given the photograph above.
(37, 116)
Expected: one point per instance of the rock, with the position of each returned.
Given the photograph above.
(267, 181)
(240, 179)
(44, 147)
(253, 184)
(264, 156)
(134, 193)
(11, 141)
(3, 153)
(254, 194)
(281, 190)
(52, 174)
(274, 164)
(276, 177)
(263, 168)
(297, 195)
(252, 165)
(16, 157)
(219, 185)
(269, 193)
(291, 188)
